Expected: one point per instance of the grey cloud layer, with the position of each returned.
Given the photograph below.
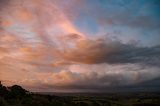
(112, 52)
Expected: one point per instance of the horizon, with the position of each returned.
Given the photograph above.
(80, 45)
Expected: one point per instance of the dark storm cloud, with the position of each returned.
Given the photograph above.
(3, 3)
(133, 54)
(112, 52)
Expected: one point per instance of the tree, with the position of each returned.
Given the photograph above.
(17, 91)
(3, 90)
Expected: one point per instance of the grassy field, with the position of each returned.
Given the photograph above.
(77, 100)
(17, 96)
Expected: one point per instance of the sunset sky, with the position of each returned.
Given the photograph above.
(80, 45)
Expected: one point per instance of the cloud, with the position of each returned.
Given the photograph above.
(96, 51)
(40, 74)
(3, 3)
(42, 49)
(86, 78)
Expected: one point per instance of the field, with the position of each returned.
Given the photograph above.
(17, 96)
(137, 99)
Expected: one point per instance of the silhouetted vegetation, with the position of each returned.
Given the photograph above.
(17, 96)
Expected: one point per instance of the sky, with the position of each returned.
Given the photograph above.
(80, 45)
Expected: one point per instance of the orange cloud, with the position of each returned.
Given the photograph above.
(23, 14)
(69, 28)
(5, 23)
(32, 54)
(8, 38)
(87, 51)
(3, 52)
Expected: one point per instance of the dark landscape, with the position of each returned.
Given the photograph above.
(17, 96)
